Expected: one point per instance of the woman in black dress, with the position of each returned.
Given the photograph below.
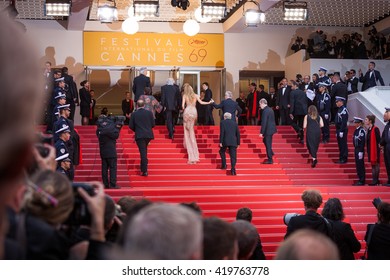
(85, 102)
(312, 123)
(344, 236)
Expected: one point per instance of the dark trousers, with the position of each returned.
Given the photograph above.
(232, 153)
(209, 115)
(109, 164)
(72, 108)
(242, 120)
(325, 128)
(343, 148)
(267, 140)
(387, 162)
(170, 124)
(297, 124)
(360, 169)
(277, 116)
(143, 151)
(285, 116)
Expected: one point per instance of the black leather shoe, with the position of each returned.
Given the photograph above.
(268, 162)
(233, 172)
(115, 187)
(341, 161)
(314, 163)
(223, 167)
(359, 183)
(144, 174)
(374, 184)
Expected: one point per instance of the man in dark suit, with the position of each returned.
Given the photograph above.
(312, 200)
(298, 109)
(229, 106)
(229, 137)
(140, 83)
(338, 89)
(72, 96)
(142, 122)
(385, 143)
(170, 97)
(283, 102)
(352, 81)
(268, 129)
(208, 95)
(371, 78)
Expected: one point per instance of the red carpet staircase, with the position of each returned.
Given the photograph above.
(269, 190)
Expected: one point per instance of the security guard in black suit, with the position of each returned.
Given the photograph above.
(323, 106)
(359, 140)
(385, 143)
(108, 132)
(341, 122)
(229, 137)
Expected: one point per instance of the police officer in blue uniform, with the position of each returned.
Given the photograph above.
(341, 121)
(61, 147)
(323, 78)
(323, 105)
(385, 143)
(59, 99)
(64, 111)
(64, 167)
(359, 140)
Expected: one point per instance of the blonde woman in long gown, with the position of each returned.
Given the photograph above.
(189, 119)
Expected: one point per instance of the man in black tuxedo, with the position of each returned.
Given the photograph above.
(229, 137)
(229, 106)
(170, 97)
(371, 77)
(312, 200)
(385, 143)
(268, 129)
(352, 81)
(142, 122)
(283, 102)
(72, 96)
(298, 109)
(140, 83)
(208, 95)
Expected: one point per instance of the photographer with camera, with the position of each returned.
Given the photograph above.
(298, 45)
(108, 132)
(378, 235)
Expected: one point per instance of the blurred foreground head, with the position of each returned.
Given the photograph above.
(20, 96)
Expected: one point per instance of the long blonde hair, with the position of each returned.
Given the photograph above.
(188, 92)
(312, 112)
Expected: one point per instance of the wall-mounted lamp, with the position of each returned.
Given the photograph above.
(108, 13)
(146, 8)
(58, 7)
(253, 17)
(295, 10)
(213, 10)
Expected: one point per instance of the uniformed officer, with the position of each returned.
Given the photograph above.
(64, 167)
(385, 143)
(61, 147)
(323, 107)
(359, 140)
(323, 78)
(60, 99)
(64, 111)
(341, 122)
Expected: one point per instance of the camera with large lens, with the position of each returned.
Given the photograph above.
(287, 217)
(80, 214)
(118, 120)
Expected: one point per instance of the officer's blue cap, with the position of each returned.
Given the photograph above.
(387, 109)
(339, 98)
(323, 69)
(60, 79)
(60, 95)
(357, 120)
(64, 107)
(64, 128)
(322, 84)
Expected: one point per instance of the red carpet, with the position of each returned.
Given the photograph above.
(269, 190)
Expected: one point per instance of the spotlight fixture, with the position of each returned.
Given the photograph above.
(58, 7)
(253, 17)
(182, 4)
(295, 10)
(213, 10)
(107, 13)
(146, 8)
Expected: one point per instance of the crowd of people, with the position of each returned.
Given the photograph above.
(350, 46)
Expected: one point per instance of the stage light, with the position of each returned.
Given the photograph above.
(213, 10)
(130, 26)
(191, 27)
(146, 8)
(108, 13)
(57, 7)
(253, 17)
(295, 10)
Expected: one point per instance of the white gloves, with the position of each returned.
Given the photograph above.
(326, 116)
(341, 134)
(360, 154)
